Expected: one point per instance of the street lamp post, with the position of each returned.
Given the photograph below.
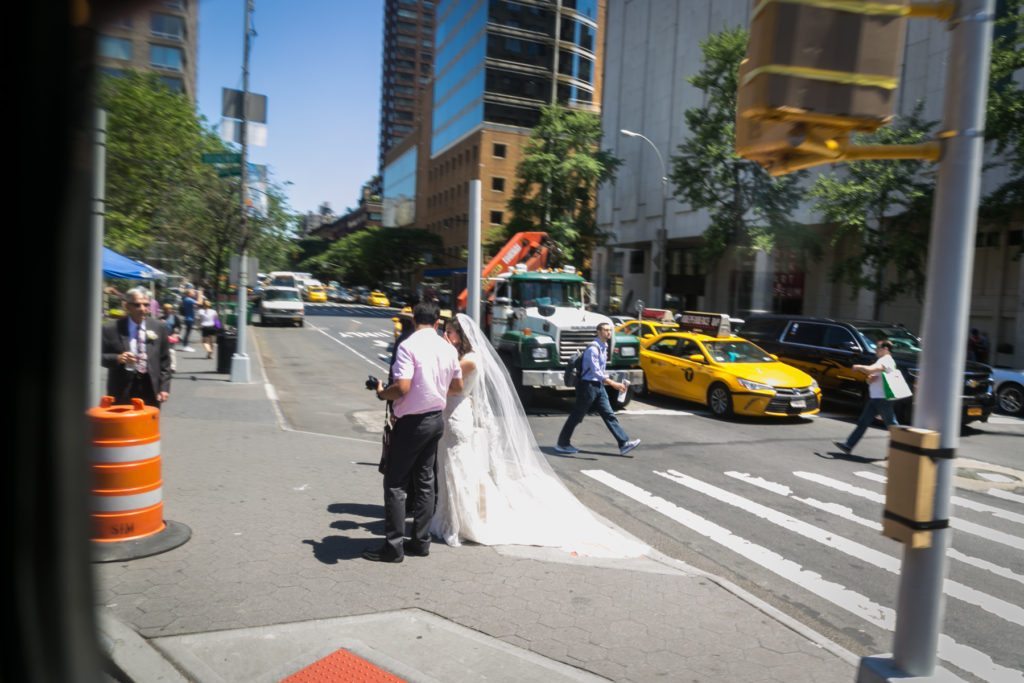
(661, 239)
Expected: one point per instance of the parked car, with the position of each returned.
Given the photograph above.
(728, 374)
(1009, 390)
(315, 293)
(826, 349)
(282, 305)
(363, 295)
(348, 296)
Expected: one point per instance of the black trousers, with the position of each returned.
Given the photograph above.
(139, 386)
(411, 459)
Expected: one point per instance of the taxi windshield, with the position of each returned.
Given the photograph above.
(902, 340)
(662, 329)
(737, 352)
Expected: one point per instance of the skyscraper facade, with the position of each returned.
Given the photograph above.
(407, 67)
(161, 37)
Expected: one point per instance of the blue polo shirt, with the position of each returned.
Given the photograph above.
(595, 361)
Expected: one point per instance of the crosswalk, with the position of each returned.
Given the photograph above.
(810, 529)
(350, 310)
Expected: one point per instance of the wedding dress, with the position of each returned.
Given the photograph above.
(495, 487)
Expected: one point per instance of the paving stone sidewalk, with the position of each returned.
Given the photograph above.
(278, 521)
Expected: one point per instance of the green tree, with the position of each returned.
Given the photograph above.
(747, 207)
(883, 207)
(376, 255)
(1004, 120)
(557, 181)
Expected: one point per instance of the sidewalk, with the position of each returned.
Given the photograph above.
(271, 580)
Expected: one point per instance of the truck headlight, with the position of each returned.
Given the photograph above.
(540, 353)
(814, 384)
(628, 351)
(755, 386)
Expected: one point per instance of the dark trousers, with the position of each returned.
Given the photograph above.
(589, 395)
(188, 331)
(874, 406)
(411, 459)
(139, 386)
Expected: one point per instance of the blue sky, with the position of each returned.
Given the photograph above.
(319, 64)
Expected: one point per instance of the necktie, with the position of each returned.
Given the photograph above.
(141, 365)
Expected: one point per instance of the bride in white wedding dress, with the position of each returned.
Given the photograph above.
(494, 486)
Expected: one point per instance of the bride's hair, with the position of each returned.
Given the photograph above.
(463, 347)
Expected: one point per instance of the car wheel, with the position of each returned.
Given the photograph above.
(720, 400)
(1010, 398)
(301, 323)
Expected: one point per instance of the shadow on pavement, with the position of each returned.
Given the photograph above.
(849, 457)
(333, 549)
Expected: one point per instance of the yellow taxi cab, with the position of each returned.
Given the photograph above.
(378, 298)
(316, 294)
(406, 313)
(705, 363)
(646, 328)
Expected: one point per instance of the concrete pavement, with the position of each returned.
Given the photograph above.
(272, 581)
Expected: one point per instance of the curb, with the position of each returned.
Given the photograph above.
(131, 655)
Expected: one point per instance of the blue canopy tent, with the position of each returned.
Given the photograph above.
(123, 268)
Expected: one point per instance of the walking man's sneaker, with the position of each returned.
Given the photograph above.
(568, 450)
(842, 446)
(629, 446)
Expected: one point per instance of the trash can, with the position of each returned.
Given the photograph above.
(227, 344)
(230, 316)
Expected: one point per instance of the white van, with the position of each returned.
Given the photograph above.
(283, 278)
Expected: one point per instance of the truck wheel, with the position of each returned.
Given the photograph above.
(720, 400)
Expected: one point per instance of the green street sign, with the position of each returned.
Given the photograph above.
(222, 158)
(231, 170)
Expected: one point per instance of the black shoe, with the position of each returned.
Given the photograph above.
(842, 446)
(382, 554)
(417, 549)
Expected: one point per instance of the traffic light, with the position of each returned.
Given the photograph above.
(817, 71)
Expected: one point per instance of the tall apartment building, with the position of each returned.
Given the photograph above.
(407, 67)
(161, 37)
(653, 47)
(496, 64)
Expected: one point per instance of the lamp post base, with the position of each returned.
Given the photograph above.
(240, 369)
(883, 669)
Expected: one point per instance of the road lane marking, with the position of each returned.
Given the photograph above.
(962, 656)
(848, 514)
(328, 335)
(1014, 614)
(958, 501)
(1005, 495)
(656, 411)
(955, 522)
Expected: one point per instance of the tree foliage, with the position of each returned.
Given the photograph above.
(557, 180)
(375, 255)
(1004, 120)
(747, 207)
(162, 203)
(884, 207)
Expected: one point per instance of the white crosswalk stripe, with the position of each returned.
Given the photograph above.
(964, 657)
(959, 501)
(956, 522)
(1005, 495)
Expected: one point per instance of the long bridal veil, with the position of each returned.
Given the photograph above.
(528, 503)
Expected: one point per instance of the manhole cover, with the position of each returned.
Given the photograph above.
(972, 474)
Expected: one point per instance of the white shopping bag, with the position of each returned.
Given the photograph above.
(895, 385)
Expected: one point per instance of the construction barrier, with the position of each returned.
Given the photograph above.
(127, 486)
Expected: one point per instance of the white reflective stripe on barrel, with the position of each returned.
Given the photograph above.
(126, 503)
(125, 453)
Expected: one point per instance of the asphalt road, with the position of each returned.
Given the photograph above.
(768, 504)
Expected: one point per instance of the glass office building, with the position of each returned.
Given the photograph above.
(499, 61)
(400, 190)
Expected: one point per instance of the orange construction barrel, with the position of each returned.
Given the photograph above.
(127, 491)
(127, 484)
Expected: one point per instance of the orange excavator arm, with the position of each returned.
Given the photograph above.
(529, 248)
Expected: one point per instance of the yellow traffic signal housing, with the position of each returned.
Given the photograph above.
(825, 62)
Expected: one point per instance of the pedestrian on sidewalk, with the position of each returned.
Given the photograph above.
(136, 354)
(426, 371)
(877, 403)
(188, 315)
(209, 323)
(590, 392)
(172, 323)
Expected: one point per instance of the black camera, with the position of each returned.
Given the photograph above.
(372, 382)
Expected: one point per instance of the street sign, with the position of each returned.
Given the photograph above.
(222, 158)
(229, 171)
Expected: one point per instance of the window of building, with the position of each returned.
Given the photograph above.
(407, 27)
(110, 71)
(498, 184)
(408, 14)
(500, 150)
(175, 84)
(174, 4)
(165, 57)
(115, 48)
(167, 26)
(1015, 238)
(636, 262)
(496, 217)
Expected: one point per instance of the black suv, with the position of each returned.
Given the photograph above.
(827, 349)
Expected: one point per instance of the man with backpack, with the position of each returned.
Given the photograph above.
(590, 390)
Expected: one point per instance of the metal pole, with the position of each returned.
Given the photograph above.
(240, 360)
(474, 265)
(937, 406)
(99, 199)
(661, 237)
